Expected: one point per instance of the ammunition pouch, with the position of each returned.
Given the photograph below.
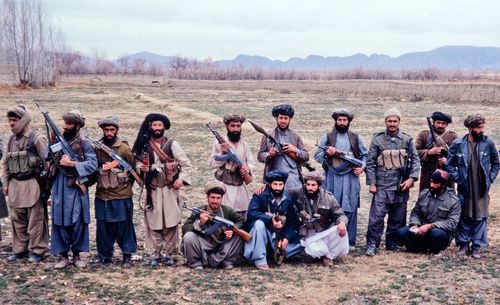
(168, 174)
(110, 179)
(22, 165)
(392, 159)
(229, 176)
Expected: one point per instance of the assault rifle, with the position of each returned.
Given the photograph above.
(61, 145)
(219, 222)
(443, 153)
(117, 160)
(279, 147)
(342, 155)
(406, 170)
(230, 153)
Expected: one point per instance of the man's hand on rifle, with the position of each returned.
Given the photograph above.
(204, 217)
(277, 224)
(407, 184)
(330, 151)
(229, 234)
(289, 148)
(341, 229)
(441, 161)
(284, 243)
(373, 188)
(144, 167)
(66, 161)
(358, 171)
(224, 147)
(5, 190)
(434, 151)
(244, 170)
(273, 151)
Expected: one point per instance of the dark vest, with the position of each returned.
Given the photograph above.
(331, 140)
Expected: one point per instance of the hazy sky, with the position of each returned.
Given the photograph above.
(278, 29)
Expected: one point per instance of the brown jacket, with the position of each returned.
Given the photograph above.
(430, 162)
(124, 190)
(265, 145)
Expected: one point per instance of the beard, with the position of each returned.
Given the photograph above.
(435, 191)
(342, 128)
(312, 195)
(109, 140)
(277, 193)
(69, 134)
(157, 133)
(234, 136)
(475, 135)
(439, 131)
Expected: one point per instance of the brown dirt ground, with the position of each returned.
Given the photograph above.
(389, 278)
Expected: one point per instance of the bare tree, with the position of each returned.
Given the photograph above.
(30, 40)
(123, 64)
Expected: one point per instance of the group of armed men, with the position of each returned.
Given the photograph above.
(293, 212)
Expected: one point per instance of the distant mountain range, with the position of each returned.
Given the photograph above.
(448, 57)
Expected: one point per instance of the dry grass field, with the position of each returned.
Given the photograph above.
(388, 278)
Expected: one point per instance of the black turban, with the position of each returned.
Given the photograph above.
(144, 133)
(439, 116)
(276, 175)
(283, 109)
(473, 121)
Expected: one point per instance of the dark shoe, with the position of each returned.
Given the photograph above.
(463, 250)
(371, 250)
(475, 252)
(393, 248)
(14, 257)
(168, 261)
(105, 262)
(155, 262)
(327, 261)
(35, 258)
(127, 261)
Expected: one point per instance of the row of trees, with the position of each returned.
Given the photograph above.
(193, 69)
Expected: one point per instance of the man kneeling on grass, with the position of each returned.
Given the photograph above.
(434, 218)
(323, 224)
(220, 248)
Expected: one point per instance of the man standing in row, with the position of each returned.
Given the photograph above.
(473, 164)
(430, 152)
(113, 198)
(226, 171)
(166, 168)
(434, 218)
(222, 247)
(70, 202)
(22, 164)
(292, 144)
(342, 179)
(391, 153)
(323, 224)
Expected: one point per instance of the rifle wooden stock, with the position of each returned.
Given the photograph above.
(247, 179)
(242, 233)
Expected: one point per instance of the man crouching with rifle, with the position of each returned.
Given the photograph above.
(207, 243)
